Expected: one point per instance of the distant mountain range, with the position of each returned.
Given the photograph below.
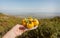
(38, 15)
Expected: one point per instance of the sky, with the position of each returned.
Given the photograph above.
(30, 6)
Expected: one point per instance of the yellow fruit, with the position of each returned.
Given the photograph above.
(30, 19)
(30, 25)
(23, 22)
(35, 22)
(30, 22)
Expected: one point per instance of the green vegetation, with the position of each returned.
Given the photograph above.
(7, 22)
(48, 27)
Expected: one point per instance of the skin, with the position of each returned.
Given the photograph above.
(15, 31)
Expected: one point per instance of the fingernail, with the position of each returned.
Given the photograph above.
(22, 28)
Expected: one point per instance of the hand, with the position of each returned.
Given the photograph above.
(15, 31)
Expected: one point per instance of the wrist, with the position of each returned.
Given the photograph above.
(9, 34)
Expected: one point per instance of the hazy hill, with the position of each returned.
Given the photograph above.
(35, 14)
(48, 27)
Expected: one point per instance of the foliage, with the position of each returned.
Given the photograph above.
(48, 27)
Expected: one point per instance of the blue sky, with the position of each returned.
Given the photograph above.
(30, 6)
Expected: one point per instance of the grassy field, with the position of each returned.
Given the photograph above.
(48, 27)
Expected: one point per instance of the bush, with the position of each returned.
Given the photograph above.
(48, 27)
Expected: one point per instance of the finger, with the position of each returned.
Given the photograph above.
(22, 28)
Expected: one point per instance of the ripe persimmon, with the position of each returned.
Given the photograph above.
(30, 22)
(36, 22)
(30, 25)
